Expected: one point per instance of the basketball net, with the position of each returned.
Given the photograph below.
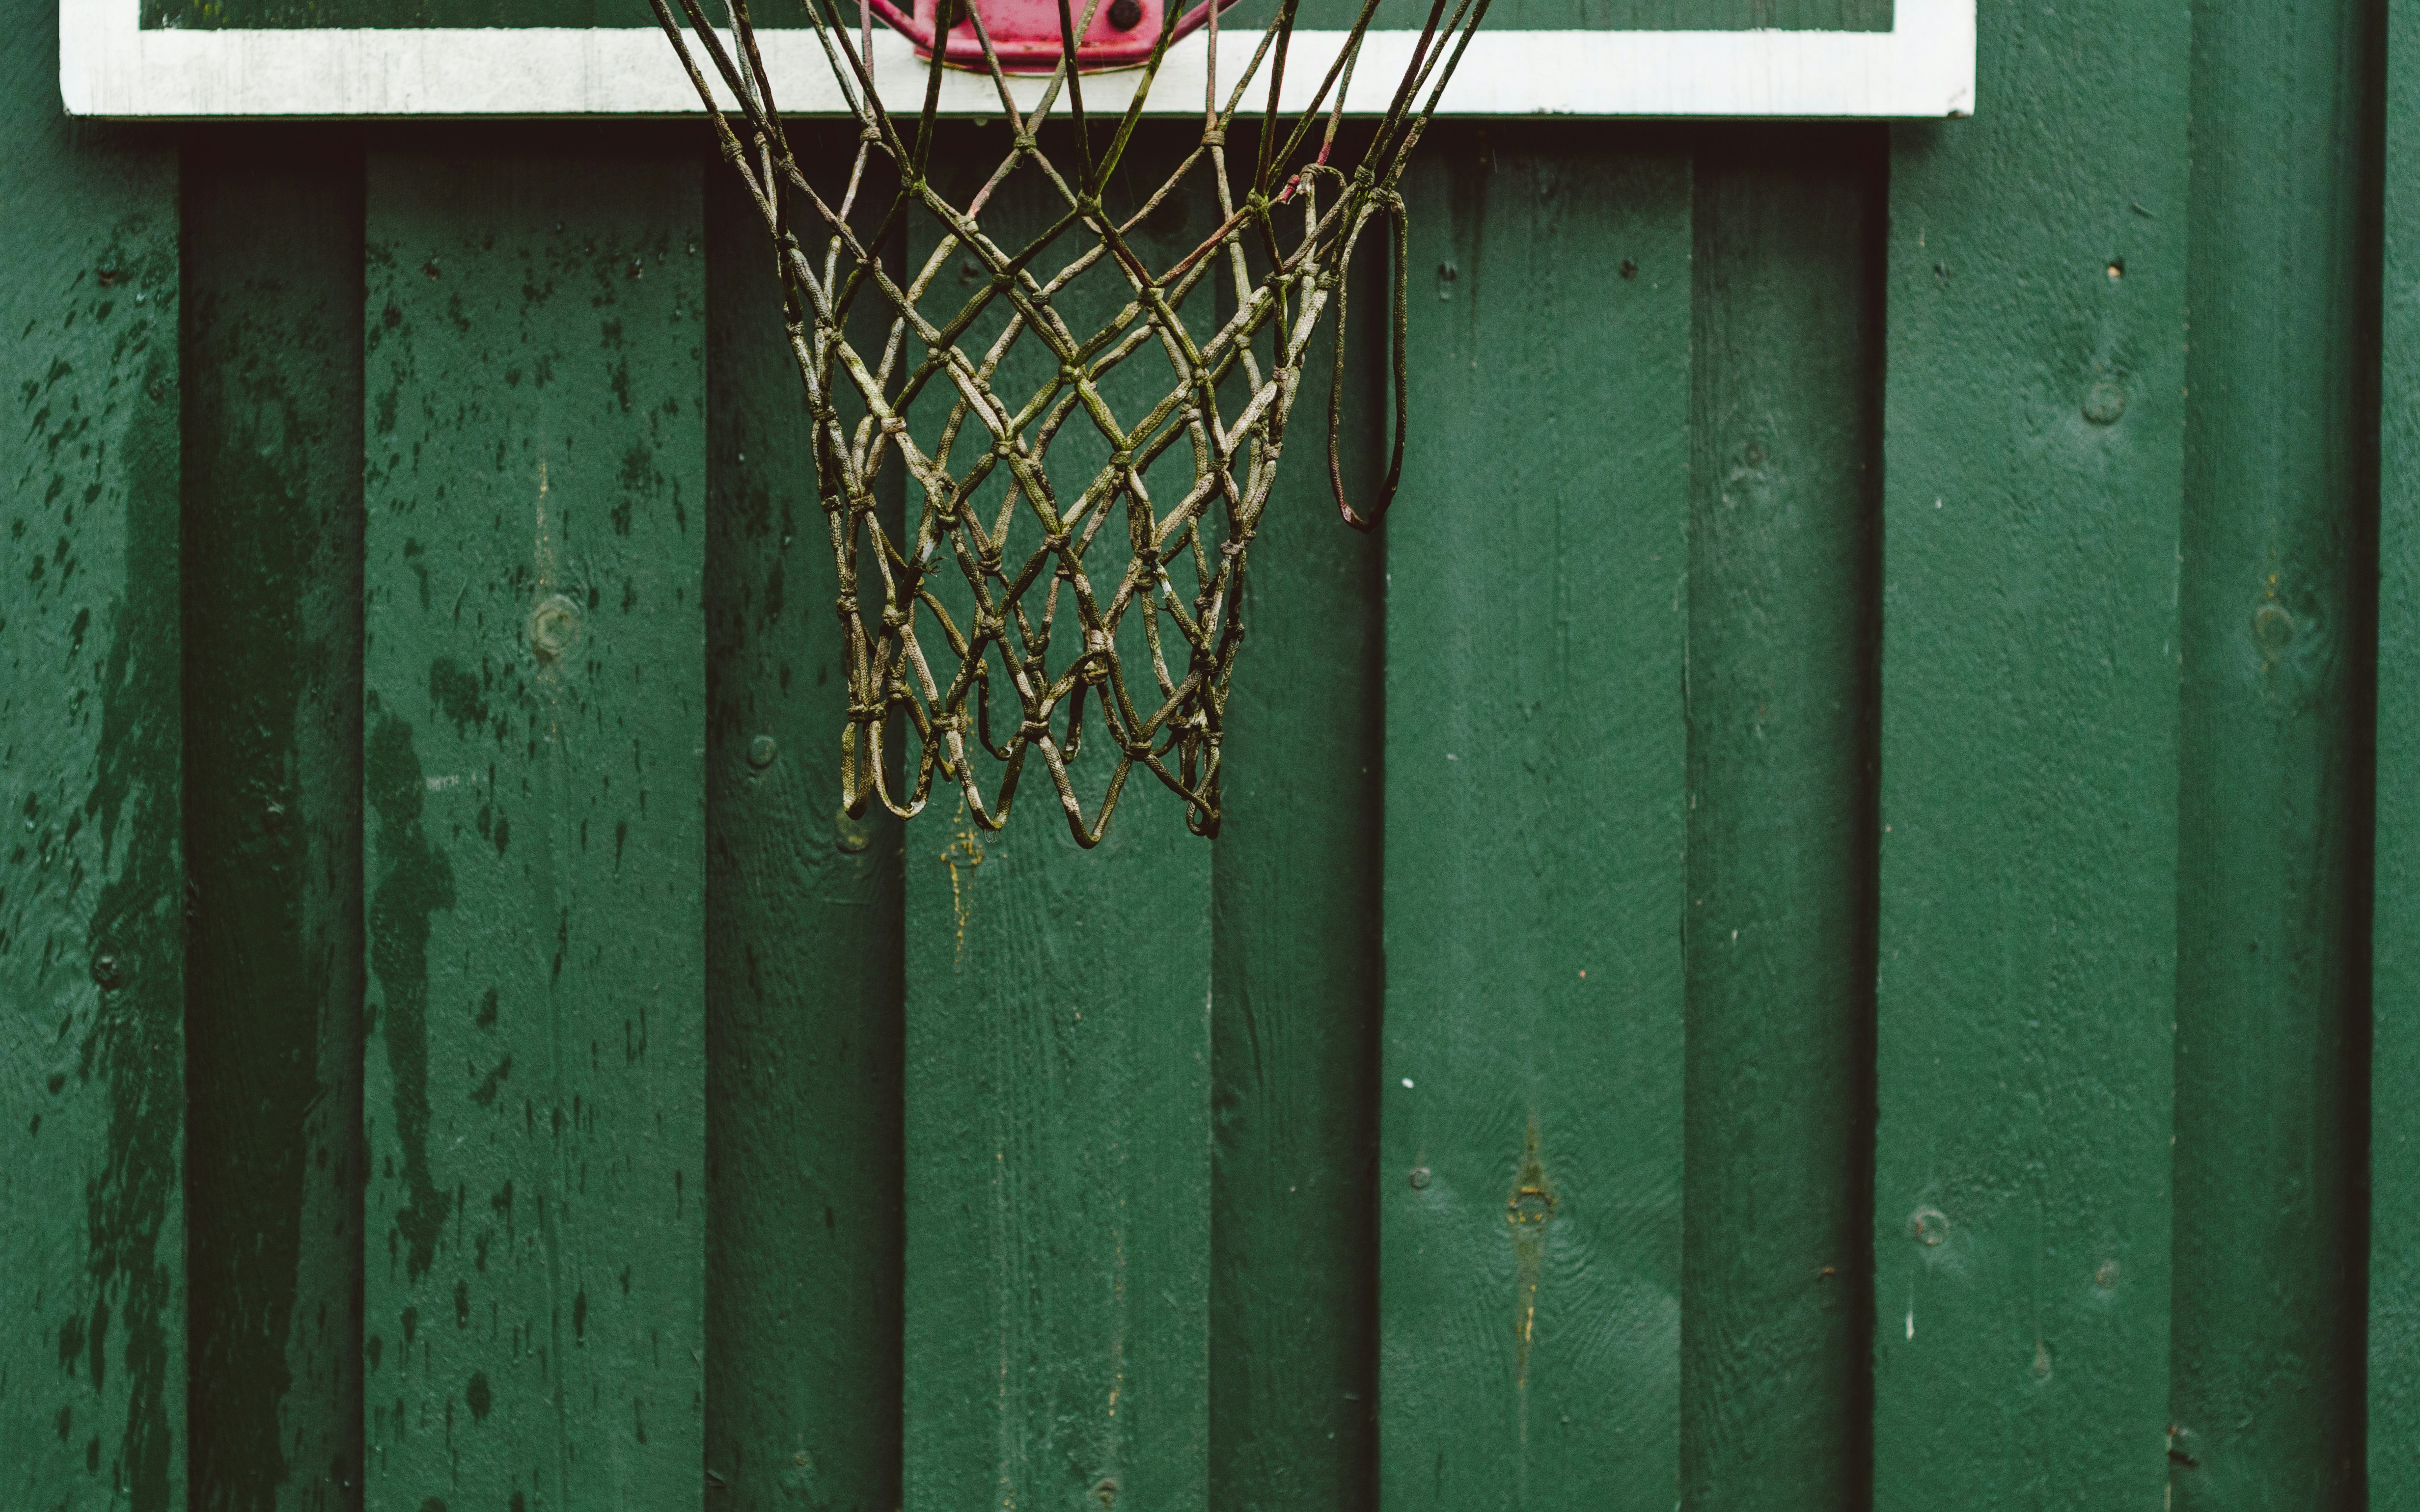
(1008, 547)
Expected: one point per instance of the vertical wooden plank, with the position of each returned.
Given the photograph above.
(2027, 935)
(92, 1287)
(1058, 1166)
(2393, 1289)
(534, 679)
(1785, 537)
(803, 949)
(2274, 874)
(272, 543)
(1058, 1072)
(1536, 616)
(1293, 1317)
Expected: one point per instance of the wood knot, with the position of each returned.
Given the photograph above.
(1529, 1206)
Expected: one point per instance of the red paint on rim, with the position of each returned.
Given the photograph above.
(1025, 34)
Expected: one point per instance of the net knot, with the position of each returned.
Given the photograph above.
(1215, 137)
(1097, 652)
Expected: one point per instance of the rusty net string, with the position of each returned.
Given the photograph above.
(1011, 596)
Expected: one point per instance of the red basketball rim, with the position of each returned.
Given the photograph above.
(1025, 33)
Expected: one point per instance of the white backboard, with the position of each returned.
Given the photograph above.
(113, 64)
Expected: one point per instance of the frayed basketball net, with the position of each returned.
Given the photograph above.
(893, 668)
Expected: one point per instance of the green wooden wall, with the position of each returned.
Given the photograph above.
(1828, 918)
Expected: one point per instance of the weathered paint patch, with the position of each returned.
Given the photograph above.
(1527, 1210)
(92, 1310)
(533, 766)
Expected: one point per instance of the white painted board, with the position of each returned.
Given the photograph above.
(110, 65)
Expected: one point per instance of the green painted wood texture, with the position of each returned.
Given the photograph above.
(1530, 1151)
(1058, 1160)
(2272, 997)
(1058, 1046)
(272, 594)
(534, 769)
(2033, 455)
(1831, 608)
(92, 1073)
(1784, 557)
(1298, 991)
(2393, 1406)
(805, 953)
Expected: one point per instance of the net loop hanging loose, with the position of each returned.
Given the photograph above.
(971, 597)
(1399, 358)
